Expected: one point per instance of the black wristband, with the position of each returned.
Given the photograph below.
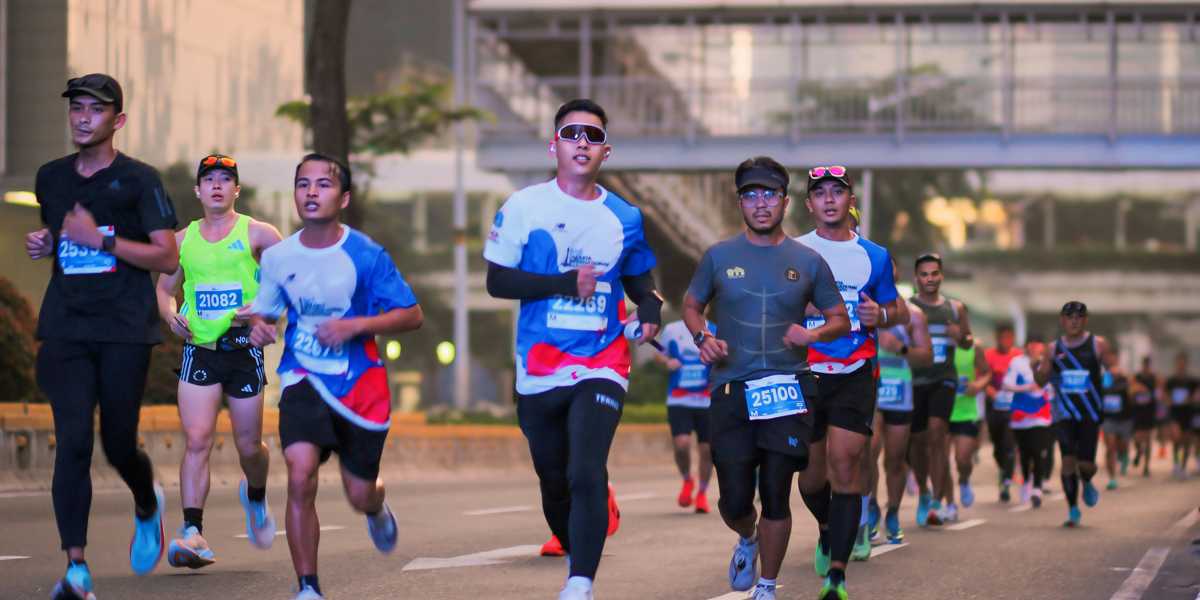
(650, 310)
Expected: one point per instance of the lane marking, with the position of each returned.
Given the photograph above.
(885, 548)
(966, 524)
(638, 496)
(1135, 585)
(284, 532)
(477, 559)
(497, 511)
(2, 558)
(739, 595)
(1182, 525)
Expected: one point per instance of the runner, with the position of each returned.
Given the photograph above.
(1119, 390)
(340, 289)
(760, 283)
(1072, 366)
(553, 547)
(218, 271)
(1180, 390)
(688, 400)
(108, 224)
(845, 374)
(900, 347)
(1145, 407)
(1031, 420)
(998, 407)
(974, 375)
(570, 250)
(934, 387)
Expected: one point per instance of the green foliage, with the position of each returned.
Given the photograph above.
(18, 348)
(647, 384)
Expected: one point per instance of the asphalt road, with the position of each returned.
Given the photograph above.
(478, 538)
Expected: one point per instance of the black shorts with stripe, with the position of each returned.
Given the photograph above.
(240, 373)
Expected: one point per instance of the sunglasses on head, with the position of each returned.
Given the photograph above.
(214, 159)
(834, 171)
(572, 132)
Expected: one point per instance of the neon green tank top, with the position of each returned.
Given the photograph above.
(218, 279)
(966, 408)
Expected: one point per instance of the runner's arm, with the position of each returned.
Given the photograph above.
(168, 287)
(921, 352)
(640, 289)
(262, 236)
(983, 373)
(515, 284)
(966, 339)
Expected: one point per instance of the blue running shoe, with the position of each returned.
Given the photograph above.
(895, 535)
(1091, 495)
(967, 494)
(1073, 517)
(743, 566)
(189, 550)
(146, 547)
(383, 530)
(923, 509)
(873, 519)
(75, 585)
(260, 525)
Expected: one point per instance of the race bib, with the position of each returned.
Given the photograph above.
(76, 259)
(1112, 403)
(316, 357)
(894, 394)
(1179, 396)
(815, 321)
(215, 300)
(693, 376)
(1074, 381)
(1142, 399)
(774, 396)
(575, 314)
(1003, 401)
(963, 380)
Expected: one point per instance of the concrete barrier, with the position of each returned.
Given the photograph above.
(414, 449)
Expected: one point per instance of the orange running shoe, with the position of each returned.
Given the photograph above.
(702, 502)
(614, 512)
(553, 547)
(685, 494)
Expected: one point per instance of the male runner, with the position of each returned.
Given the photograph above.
(1032, 420)
(1180, 390)
(570, 251)
(1117, 395)
(934, 387)
(760, 283)
(108, 224)
(218, 271)
(1072, 366)
(900, 347)
(1145, 407)
(998, 406)
(688, 399)
(340, 289)
(974, 375)
(845, 373)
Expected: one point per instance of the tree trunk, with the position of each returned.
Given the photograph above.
(326, 79)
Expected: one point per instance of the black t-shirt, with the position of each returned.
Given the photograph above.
(93, 296)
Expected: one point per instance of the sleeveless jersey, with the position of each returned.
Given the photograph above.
(1077, 380)
(966, 408)
(895, 377)
(939, 317)
(218, 279)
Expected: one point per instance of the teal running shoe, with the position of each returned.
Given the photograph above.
(923, 509)
(75, 585)
(895, 535)
(1073, 517)
(862, 545)
(146, 548)
(821, 559)
(1090, 494)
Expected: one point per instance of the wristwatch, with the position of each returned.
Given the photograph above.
(700, 335)
(108, 243)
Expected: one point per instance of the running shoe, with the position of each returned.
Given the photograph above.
(763, 592)
(862, 545)
(553, 547)
(743, 566)
(1073, 517)
(614, 512)
(75, 585)
(967, 494)
(873, 514)
(260, 525)
(1004, 495)
(1112, 485)
(1026, 491)
(934, 518)
(1091, 495)
(308, 593)
(832, 591)
(575, 591)
(383, 530)
(146, 547)
(189, 550)
(702, 502)
(685, 494)
(895, 535)
(923, 509)
(949, 514)
(821, 559)
(1035, 497)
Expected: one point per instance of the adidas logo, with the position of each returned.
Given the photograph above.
(237, 245)
(247, 388)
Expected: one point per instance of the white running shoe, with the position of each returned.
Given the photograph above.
(308, 594)
(1026, 491)
(576, 589)
(763, 592)
(950, 513)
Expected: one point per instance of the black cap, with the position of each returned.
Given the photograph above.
(761, 171)
(99, 86)
(1074, 307)
(213, 162)
(844, 179)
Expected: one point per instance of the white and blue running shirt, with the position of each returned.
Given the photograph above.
(353, 278)
(687, 385)
(564, 340)
(860, 266)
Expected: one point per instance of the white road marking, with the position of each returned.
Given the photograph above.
(639, 496)
(284, 532)
(478, 559)
(966, 524)
(885, 548)
(2, 558)
(1182, 525)
(497, 511)
(738, 595)
(1135, 585)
